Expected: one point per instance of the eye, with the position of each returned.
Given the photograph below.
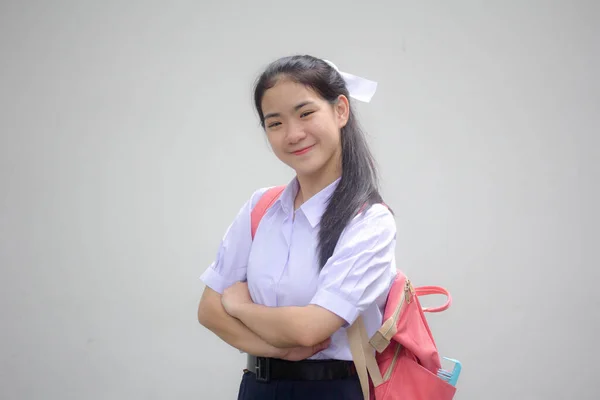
(306, 114)
(273, 124)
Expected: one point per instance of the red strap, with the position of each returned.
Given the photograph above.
(427, 290)
(265, 201)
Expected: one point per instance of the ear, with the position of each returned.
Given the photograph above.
(342, 110)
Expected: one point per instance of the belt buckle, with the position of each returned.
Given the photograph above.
(263, 369)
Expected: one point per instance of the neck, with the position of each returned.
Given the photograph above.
(309, 185)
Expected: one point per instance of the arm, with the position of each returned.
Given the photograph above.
(358, 273)
(212, 315)
(289, 326)
(229, 267)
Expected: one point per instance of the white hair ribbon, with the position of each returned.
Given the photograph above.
(359, 88)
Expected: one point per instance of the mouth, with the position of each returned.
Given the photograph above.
(303, 151)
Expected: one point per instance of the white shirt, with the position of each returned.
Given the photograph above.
(282, 264)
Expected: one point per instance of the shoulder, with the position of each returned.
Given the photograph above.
(374, 225)
(376, 217)
(240, 227)
(244, 212)
(257, 195)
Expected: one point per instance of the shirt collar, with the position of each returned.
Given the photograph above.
(286, 199)
(314, 207)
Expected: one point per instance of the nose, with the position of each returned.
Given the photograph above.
(295, 133)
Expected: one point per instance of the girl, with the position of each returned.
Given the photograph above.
(323, 253)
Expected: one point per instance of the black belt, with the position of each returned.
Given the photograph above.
(267, 369)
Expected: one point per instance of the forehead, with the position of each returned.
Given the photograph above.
(285, 95)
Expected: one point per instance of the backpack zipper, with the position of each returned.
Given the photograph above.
(390, 369)
(408, 290)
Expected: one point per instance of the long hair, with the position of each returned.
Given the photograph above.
(358, 186)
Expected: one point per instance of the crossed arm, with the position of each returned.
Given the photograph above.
(266, 331)
(213, 316)
(365, 255)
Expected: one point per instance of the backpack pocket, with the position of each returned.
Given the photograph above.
(408, 380)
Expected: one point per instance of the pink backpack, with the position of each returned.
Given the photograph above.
(401, 358)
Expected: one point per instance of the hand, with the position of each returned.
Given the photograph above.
(302, 353)
(234, 296)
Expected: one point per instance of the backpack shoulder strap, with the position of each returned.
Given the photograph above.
(363, 357)
(259, 210)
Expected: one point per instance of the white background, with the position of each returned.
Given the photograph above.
(128, 143)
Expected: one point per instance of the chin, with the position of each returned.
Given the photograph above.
(305, 168)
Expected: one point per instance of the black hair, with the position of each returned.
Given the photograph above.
(358, 186)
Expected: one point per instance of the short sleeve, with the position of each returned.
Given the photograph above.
(362, 266)
(231, 262)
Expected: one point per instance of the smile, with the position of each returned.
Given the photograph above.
(303, 151)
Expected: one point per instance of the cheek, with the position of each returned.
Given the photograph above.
(276, 143)
(327, 133)
(272, 138)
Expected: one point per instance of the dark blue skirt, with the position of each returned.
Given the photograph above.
(347, 389)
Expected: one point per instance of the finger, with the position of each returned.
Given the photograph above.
(323, 345)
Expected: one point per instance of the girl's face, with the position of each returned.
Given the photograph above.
(303, 129)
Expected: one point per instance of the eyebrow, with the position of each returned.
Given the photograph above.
(296, 108)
